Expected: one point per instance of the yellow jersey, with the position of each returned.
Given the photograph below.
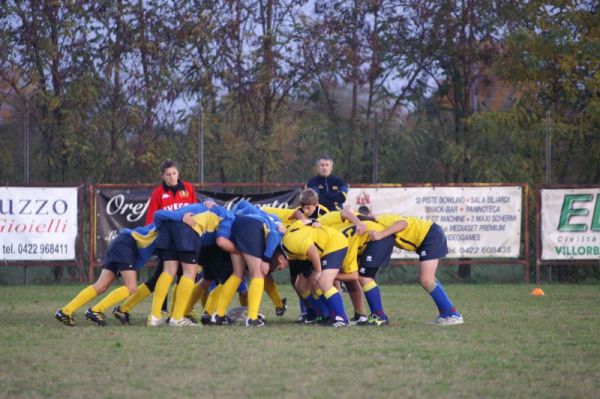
(356, 243)
(298, 239)
(286, 215)
(412, 236)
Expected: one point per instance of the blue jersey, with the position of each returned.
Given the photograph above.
(332, 190)
(145, 240)
(270, 223)
(211, 223)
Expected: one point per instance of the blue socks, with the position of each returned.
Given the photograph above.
(373, 295)
(335, 303)
(443, 303)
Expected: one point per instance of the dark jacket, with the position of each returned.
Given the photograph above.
(332, 190)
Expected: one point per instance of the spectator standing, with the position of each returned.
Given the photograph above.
(332, 189)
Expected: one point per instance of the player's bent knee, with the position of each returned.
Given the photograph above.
(427, 282)
(100, 288)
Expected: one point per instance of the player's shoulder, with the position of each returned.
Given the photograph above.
(331, 217)
(389, 218)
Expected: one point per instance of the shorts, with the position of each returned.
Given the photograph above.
(151, 282)
(377, 253)
(180, 256)
(334, 260)
(369, 272)
(117, 267)
(434, 246)
(298, 267)
(216, 263)
(178, 237)
(178, 241)
(122, 251)
(248, 236)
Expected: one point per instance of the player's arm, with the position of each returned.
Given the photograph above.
(273, 240)
(244, 207)
(393, 229)
(209, 203)
(224, 233)
(315, 259)
(227, 245)
(349, 215)
(178, 215)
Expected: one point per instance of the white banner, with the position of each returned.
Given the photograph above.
(570, 224)
(38, 223)
(479, 222)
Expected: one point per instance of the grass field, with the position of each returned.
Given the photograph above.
(511, 345)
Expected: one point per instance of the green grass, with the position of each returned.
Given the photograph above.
(512, 345)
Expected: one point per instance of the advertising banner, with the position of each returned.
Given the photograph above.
(38, 223)
(570, 224)
(479, 222)
(118, 208)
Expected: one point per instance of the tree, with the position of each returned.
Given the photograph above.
(554, 57)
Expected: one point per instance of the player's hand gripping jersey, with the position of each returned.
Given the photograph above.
(287, 214)
(356, 242)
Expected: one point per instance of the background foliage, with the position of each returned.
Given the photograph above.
(415, 91)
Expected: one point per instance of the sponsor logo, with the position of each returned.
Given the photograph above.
(134, 212)
(576, 218)
(275, 204)
(32, 207)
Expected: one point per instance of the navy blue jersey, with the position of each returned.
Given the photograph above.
(332, 190)
(267, 222)
(144, 242)
(211, 223)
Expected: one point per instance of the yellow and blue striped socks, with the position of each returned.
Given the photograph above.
(373, 295)
(335, 303)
